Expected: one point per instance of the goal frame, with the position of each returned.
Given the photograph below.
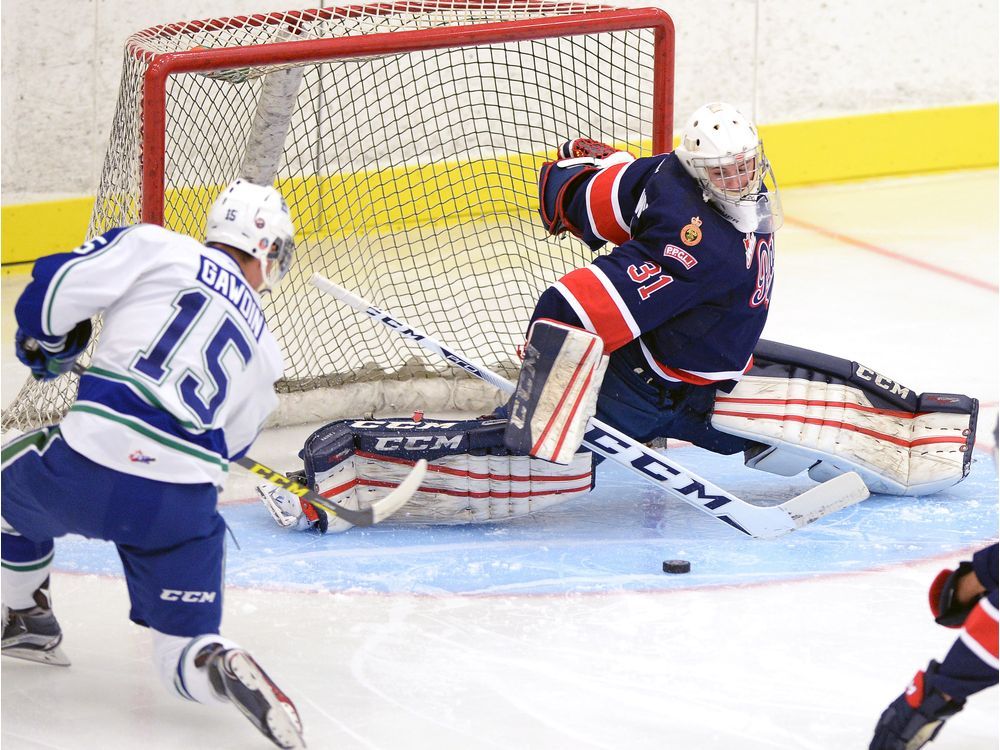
(163, 65)
(137, 181)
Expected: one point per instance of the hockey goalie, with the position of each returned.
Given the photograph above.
(660, 337)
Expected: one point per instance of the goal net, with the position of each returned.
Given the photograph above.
(407, 139)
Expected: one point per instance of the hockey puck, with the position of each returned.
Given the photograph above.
(676, 566)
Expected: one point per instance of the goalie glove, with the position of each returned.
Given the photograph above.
(588, 148)
(915, 717)
(50, 359)
(558, 181)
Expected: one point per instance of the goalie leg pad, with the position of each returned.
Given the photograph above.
(557, 390)
(472, 477)
(828, 416)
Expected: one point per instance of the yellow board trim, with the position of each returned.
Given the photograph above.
(880, 145)
(807, 152)
(31, 230)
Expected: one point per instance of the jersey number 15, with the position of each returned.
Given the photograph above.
(153, 361)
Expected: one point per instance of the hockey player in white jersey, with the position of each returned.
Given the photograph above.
(180, 384)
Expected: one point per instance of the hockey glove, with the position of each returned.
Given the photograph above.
(290, 510)
(558, 181)
(48, 360)
(586, 147)
(948, 611)
(915, 717)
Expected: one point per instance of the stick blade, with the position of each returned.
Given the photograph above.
(826, 498)
(399, 496)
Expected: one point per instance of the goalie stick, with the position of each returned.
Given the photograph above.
(378, 511)
(763, 522)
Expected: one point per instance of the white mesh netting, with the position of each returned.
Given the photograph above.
(411, 177)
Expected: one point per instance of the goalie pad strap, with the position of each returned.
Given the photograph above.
(829, 415)
(556, 392)
(472, 477)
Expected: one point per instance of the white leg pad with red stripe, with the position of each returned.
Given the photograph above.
(556, 393)
(461, 488)
(471, 477)
(829, 428)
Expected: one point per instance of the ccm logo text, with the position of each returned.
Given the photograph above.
(191, 597)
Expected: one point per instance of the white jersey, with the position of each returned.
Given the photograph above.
(183, 374)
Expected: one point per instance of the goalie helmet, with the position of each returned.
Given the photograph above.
(254, 219)
(720, 148)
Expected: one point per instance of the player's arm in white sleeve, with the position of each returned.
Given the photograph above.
(67, 289)
(244, 421)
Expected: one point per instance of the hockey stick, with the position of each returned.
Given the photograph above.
(376, 512)
(604, 440)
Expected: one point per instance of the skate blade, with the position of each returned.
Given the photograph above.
(54, 657)
(282, 720)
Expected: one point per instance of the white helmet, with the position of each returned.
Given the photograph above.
(254, 219)
(720, 148)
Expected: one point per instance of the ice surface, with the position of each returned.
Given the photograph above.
(560, 630)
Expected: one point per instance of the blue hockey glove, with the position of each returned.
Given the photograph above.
(50, 360)
(915, 717)
(946, 609)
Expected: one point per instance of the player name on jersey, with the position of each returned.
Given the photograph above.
(234, 289)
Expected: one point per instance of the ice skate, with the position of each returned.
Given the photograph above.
(236, 675)
(33, 633)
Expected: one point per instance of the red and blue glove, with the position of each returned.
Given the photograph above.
(915, 717)
(942, 595)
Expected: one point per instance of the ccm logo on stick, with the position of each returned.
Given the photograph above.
(652, 467)
(191, 597)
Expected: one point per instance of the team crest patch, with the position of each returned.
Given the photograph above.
(138, 457)
(686, 259)
(691, 233)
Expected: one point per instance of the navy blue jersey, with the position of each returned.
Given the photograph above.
(688, 288)
(972, 662)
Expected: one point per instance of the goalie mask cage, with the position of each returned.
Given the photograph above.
(407, 139)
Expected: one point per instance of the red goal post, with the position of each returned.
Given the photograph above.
(407, 144)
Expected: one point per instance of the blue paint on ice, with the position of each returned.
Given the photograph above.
(614, 539)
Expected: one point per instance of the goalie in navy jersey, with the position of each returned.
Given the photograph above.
(681, 302)
(660, 338)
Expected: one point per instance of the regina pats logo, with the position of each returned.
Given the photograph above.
(691, 233)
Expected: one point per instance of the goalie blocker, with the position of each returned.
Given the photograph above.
(471, 478)
(556, 392)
